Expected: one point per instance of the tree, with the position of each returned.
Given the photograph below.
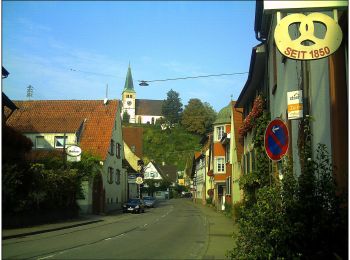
(198, 117)
(126, 117)
(172, 108)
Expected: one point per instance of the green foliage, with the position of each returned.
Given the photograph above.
(198, 117)
(46, 184)
(260, 177)
(125, 117)
(172, 108)
(296, 218)
(209, 200)
(172, 146)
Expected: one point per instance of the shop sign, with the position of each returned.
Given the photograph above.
(295, 104)
(308, 46)
(139, 180)
(73, 150)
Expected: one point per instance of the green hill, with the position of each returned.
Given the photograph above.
(172, 146)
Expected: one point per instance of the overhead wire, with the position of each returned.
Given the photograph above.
(155, 80)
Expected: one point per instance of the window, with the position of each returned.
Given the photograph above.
(118, 146)
(111, 150)
(117, 176)
(40, 142)
(228, 153)
(228, 185)
(60, 141)
(152, 120)
(248, 162)
(110, 175)
(220, 165)
(219, 132)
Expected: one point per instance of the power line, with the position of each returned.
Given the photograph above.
(144, 82)
(195, 77)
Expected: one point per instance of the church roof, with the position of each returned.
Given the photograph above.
(129, 85)
(148, 107)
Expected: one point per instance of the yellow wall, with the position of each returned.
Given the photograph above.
(50, 138)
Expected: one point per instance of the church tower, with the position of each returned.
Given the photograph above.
(129, 97)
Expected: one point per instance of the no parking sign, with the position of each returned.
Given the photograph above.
(276, 139)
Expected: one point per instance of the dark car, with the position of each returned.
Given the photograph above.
(134, 206)
(150, 202)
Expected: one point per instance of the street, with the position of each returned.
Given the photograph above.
(175, 229)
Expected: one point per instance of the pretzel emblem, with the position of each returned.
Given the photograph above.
(308, 46)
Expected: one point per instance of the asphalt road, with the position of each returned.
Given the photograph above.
(175, 229)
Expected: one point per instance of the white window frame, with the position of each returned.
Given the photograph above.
(222, 168)
(60, 137)
(220, 130)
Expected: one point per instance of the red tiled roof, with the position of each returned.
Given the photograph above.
(237, 121)
(148, 107)
(133, 136)
(197, 155)
(60, 116)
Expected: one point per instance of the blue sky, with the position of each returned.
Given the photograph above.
(43, 41)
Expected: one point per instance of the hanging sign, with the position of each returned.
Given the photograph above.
(295, 104)
(139, 180)
(308, 46)
(276, 139)
(73, 150)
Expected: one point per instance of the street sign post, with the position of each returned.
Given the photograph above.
(276, 139)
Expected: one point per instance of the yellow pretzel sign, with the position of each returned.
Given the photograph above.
(307, 46)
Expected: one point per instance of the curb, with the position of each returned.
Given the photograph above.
(50, 229)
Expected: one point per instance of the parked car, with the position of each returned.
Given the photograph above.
(134, 206)
(150, 202)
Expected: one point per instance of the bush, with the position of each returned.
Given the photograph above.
(296, 218)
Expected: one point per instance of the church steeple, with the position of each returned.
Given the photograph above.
(129, 85)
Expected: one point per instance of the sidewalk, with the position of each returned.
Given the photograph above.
(221, 230)
(82, 220)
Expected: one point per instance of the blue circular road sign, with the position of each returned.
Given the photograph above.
(276, 139)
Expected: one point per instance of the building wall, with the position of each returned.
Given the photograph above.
(236, 193)
(129, 108)
(289, 78)
(146, 119)
(200, 179)
(151, 173)
(50, 138)
(115, 194)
